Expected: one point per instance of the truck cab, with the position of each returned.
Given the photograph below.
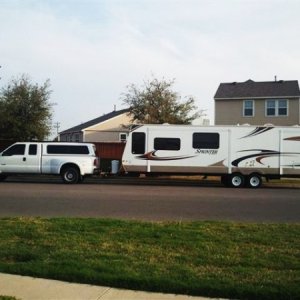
(21, 158)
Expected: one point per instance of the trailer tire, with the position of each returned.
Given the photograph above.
(70, 175)
(254, 181)
(236, 180)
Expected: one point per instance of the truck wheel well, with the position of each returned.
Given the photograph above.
(69, 165)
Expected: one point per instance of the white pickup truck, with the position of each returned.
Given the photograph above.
(72, 161)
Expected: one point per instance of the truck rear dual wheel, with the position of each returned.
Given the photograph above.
(70, 175)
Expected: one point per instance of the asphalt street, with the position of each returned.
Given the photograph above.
(152, 201)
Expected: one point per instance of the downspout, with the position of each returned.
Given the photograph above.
(215, 112)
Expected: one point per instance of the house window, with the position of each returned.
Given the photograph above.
(167, 144)
(77, 137)
(282, 108)
(248, 110)
(276, 108)
(122, 137)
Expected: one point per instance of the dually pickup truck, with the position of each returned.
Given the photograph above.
(72, 161)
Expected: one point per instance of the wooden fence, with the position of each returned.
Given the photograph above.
(110, 150)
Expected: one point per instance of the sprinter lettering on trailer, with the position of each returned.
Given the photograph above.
(210, 152)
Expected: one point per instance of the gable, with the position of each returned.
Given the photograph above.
(116, 122)
(96, 121)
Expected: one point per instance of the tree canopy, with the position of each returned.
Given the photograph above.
(156, 103)
(25, 110)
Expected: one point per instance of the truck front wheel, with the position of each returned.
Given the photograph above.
(70, 175)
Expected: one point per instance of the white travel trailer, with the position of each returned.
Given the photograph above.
(240, 155)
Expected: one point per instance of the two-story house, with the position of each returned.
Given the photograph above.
(258, 103)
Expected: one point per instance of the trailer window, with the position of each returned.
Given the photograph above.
(206, 140)
(138, 143)
(167, 144)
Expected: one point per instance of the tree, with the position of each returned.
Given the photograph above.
(25, 110)
(156, 103)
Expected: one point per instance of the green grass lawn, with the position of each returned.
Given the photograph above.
(220, 259)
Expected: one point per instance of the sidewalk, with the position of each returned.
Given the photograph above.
(28, 288)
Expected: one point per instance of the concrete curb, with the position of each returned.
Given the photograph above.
(29, 288)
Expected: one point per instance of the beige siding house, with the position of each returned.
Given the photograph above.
(258, 103)
(112, 127)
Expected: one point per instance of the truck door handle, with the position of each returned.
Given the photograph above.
(24, 158)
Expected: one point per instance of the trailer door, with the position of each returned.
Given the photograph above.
(138, 144)
(138, 163)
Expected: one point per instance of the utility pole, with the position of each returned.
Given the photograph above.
(57, 126)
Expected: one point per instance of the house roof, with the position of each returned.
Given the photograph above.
(95, 121)
(252, 89)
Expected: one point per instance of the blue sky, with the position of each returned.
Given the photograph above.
(91, 50)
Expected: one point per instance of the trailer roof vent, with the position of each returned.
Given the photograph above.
(268, 125)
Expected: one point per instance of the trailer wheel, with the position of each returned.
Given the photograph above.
(254, 181)
(236, 180)
(70, 175)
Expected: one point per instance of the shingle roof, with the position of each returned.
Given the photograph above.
(252, 89)
(96, 121)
